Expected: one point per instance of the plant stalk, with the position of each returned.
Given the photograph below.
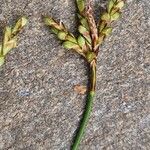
(88, 107)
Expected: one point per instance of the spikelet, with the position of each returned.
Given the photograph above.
(10, 38)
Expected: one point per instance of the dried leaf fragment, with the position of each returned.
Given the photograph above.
(80, 89)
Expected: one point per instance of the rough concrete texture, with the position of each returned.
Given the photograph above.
(39, 109)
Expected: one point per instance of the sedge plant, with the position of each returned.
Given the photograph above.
(10, 38)
(91, 36)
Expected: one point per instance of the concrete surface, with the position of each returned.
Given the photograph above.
(39, 109)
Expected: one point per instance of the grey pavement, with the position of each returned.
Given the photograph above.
(39, 109)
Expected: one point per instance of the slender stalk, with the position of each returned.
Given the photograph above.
(88, 107)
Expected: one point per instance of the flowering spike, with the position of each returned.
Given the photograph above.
(112, 13)
(10, 38)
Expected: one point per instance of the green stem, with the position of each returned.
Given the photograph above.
(88, 107)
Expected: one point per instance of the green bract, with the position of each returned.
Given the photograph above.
(70, 45)
(120, 5)
(110, 5)
(107, 31)
(81, 41)
(62, 35)
(115, 16)
(81, 5)
(105, 17)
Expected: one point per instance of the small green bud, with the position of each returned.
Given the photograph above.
(54, 30)
(82, 29)
(2, 60)
(110, 5)
(120, 5)
(71, 38)
(81, 41)
(70, 45)
(107, 31)
(84, 23)
(62, 35)
(85, 33)
(53, 24)
(49, 21)
(105, 17)
(90, 56)
(81, 5)
(115, 16)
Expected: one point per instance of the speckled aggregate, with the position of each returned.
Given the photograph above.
(39, 109)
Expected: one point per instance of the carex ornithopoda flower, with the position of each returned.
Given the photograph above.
(91, 36)
(10, 38)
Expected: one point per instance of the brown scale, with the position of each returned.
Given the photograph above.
(92, 24)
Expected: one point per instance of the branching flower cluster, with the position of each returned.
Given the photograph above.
(91, 36)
